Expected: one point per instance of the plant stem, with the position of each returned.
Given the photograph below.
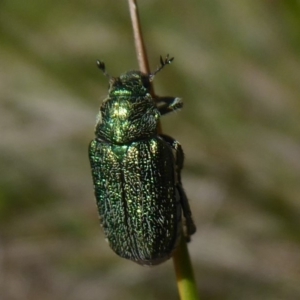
(181, 259)
(138, 38)
(184, 272)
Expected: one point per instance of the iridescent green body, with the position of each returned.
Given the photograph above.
(136, 173)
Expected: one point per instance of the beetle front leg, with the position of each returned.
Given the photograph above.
(166, 105)
(190, 227)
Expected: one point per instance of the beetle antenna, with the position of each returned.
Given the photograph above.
(163, 63)
(101, 66)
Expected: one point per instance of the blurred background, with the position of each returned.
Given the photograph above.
(237, 68)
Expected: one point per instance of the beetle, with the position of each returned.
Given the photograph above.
(136, 171)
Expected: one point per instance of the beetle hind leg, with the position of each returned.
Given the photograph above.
(189, 226)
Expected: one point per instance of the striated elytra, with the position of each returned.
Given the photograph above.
(136, 171)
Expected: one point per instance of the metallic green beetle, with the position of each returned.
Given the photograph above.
(136, 171)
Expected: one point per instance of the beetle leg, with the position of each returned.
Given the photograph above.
(166, 105)
(190, 227)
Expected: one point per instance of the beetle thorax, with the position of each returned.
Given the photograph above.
(126, 119)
